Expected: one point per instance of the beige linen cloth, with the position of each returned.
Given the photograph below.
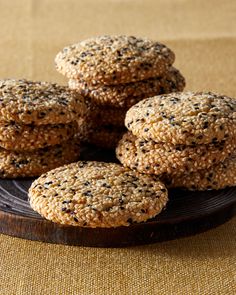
(203, 35)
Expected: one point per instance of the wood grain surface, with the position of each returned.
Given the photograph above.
(187, 213)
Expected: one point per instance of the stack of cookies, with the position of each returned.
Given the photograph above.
(187, 139)
(113, 73)
(37, 127)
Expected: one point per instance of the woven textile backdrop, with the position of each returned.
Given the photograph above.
(203, 36)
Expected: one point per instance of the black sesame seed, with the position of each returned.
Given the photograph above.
(87, 194)
(106, 185)
(205, 125)
(67, 202)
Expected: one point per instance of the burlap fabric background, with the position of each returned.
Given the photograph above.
(202, 33)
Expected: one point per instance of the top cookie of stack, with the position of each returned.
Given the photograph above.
(114, 73)
(37, 119)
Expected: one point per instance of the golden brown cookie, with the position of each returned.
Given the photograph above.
(97, 194)
(184, 118)
(113, 60)
(158, 158)
(20, 137)
(39, 103)
(126, 95)
(217, 177)
(15, 164)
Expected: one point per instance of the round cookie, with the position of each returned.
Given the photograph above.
(39, 103)
(106, 136)
(20, 137)
(97, 194)
(183, 118)
(157, 158)
(216, 177)
(126, 95)
(113, 60)
(29, 164)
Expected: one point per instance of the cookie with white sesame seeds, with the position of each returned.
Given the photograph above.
(97, 194)
(126, 95)
(113, 60)
(15, 164)
(20, 137)
(105, 136)
(217, 177)
(184, 118)
(39, 103)
(157, 158)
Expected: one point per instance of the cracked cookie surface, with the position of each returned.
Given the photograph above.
(184, 118)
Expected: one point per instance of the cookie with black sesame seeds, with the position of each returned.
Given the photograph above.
(217, 177)
(97, 194)
(113, 60)
(157, 158)
(39, 103)
(19, 137)
(105, 136)
(126, 95)
(184, 118)
(15, 164)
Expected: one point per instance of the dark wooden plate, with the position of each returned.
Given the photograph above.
(187, 213)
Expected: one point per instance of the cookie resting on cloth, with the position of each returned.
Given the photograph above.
(97, 194)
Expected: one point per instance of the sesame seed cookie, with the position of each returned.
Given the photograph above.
(126, 95)
(106, 136)
(20, 137)
(97, 194)
(38, 103)
(15, 164)
(183, 118)
(216, 177)
(158, 158)
(113, 60)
